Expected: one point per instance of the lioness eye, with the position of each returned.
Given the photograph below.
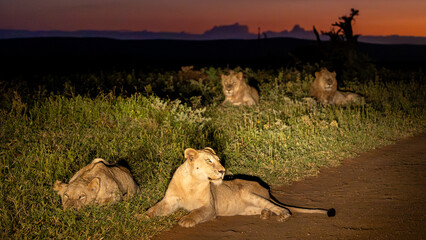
(208, 160)
(82, 197)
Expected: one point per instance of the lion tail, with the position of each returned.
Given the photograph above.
(330, 212)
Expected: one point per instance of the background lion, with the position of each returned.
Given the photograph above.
(197, 186)
(324, 89)
(237, 91)
(188, 73)
(99, 183)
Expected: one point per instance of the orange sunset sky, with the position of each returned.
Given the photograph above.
(377, 17)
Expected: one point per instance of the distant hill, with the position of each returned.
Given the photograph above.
(234, 31)
(69, 54)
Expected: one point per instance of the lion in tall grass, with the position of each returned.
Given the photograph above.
(324, 89)
(97, 183)
(237, 91)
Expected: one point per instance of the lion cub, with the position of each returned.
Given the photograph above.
(324, 89)
(237, 92)
(99, 183)
(197, 186)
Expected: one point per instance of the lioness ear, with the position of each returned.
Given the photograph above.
(59, 187)
(94, 185)
(210, 150)
(317, 74)
(191, 154)
(240, 75)
(333, 74)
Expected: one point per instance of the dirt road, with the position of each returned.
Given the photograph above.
(379, 195)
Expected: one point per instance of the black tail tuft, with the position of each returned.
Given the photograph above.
(331, 212)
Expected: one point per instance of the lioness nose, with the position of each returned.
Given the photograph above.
(222, 172)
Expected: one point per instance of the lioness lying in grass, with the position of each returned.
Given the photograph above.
(237, 91)
(98, 183)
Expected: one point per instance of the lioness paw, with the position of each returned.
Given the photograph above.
(283, 217)
(150, 213)
(265, 214)
(187, 222)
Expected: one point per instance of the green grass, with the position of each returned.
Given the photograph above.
(49, 136)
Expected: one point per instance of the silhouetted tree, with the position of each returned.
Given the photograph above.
(344, 31)
(341, 53)
(317, 35)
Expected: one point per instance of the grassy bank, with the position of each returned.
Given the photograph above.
(49, 136)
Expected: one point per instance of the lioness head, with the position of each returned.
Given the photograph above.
(78, 193)
(326, 80)
(231, 83)
(205, 165)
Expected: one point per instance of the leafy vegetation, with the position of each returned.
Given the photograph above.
(53, 126)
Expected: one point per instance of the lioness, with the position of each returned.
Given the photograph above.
(237, 92)
(99, 183)
(187, 68)
(197, 186)
(324, 89)
(188, 73)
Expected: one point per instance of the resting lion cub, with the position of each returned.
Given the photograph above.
(324, 89)
(197, 186)
(237, 91)
(99, 183)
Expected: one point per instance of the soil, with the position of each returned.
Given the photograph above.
(379, 195)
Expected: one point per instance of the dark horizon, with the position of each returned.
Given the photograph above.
(57, 54)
